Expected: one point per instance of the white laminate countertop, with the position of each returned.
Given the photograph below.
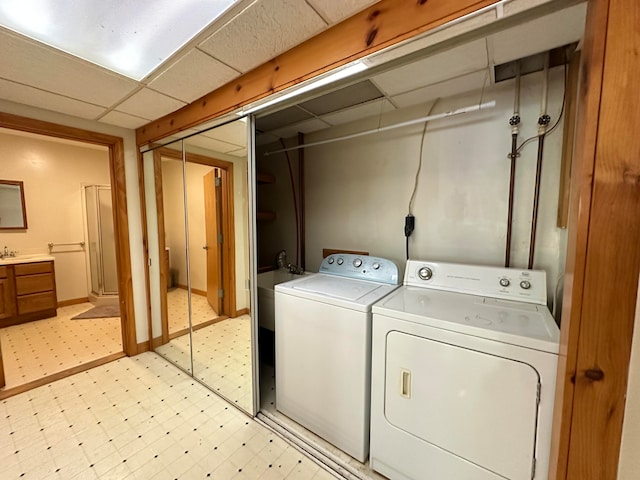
(41, 257)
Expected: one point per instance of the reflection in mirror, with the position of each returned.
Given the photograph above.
(196, 195)
(13, 212)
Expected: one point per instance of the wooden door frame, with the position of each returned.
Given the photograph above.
(228, 232)
(115, 147)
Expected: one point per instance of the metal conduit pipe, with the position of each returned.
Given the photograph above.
(543, 122)
(514, 121)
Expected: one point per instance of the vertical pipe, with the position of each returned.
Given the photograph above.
(514, 121)
(543, 121)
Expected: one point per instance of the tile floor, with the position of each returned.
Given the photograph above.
(40, 348)
(221, 358)
(139, 418)
(178, 310)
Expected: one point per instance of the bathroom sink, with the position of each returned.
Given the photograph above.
(37, 257)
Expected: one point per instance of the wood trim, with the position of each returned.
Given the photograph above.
(11, 391)
(20, 185)
(164, 273)
(202, 293)
(119, 201)
(568, 135)
(379, 26)
(143, 347)
(332, 251)
(73, 301)
(603, 259)
(242, 311)
(198, 326)
(2, 382)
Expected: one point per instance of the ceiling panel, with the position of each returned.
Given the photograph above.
(307, 126)
(149, 104)
(448, 88)
(193, 76)
(335, 11)
(123, 120)
(263, 31)
(241, 152)
(279, 119)
(366, 110)
(345, 97)
(235, 132)
(452, 63)
(29, 63)
(559, 29)
(18, 93)
(210, 144)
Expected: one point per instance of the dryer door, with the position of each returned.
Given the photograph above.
(474, 405)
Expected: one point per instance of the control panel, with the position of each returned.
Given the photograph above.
(363, 267)
(498, 282)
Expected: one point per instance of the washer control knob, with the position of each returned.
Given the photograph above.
(330, 261)
(425, 273)
(376, 266)
(505, 282)
(525, 284)
(357, 262)
(340, 261)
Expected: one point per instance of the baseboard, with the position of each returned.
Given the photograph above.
(142, 347)
(242, 311)
(73, 301)
(202, 293)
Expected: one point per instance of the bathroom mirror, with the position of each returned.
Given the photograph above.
(196, 201)
(13, 212)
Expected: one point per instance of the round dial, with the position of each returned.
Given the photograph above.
(330, 261)
(505, 282)
(425, 273)
(340, 261)
(376, 266)
(357, 262)
(525, 284)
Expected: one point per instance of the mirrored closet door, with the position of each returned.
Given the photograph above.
(197, 199)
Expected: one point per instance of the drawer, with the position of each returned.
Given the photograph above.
(3, 272)
(34, 284)
(33, 268)
(36, 302)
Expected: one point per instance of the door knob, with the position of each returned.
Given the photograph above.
(205, 247)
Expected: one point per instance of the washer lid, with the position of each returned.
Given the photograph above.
(517, 323)
(341, 291)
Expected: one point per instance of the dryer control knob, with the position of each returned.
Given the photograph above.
(505, 282)
(525, 284)
(340, 261)
(357, 262)
(330, 261)
(425, 273)
(376, 266)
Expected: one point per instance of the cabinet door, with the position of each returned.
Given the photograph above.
(7, 298)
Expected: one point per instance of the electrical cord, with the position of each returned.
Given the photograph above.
(555, 125)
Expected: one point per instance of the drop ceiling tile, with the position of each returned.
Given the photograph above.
(343, 98)
(235, 132)
(448, 88)
(29, 63)
(281, 118)
(366, 110)
(335, 11)
(210, 144)
(263, 31)
(193, 76)
(241, 152)
(436, 68)
(539, 35)
(123, 120)
(265, 139)
(307, 126)
(149, 104)
(18, 93)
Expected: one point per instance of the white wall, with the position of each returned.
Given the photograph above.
(53, 173)
(629, 464)
(133, 198)
(358, 191)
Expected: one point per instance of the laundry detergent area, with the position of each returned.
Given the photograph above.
(411, 236)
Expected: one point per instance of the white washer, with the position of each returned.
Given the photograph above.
(463, 375)
(323, 347)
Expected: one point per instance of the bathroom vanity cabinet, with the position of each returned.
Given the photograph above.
(27, 292)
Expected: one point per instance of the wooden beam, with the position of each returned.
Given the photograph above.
(603, 258)
(377, 27)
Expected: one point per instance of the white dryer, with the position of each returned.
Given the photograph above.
(463, 375)
(323, 347)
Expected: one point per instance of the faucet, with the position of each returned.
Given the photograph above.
(6, 253)
(295, 269)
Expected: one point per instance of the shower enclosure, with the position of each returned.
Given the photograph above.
(101, 241)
